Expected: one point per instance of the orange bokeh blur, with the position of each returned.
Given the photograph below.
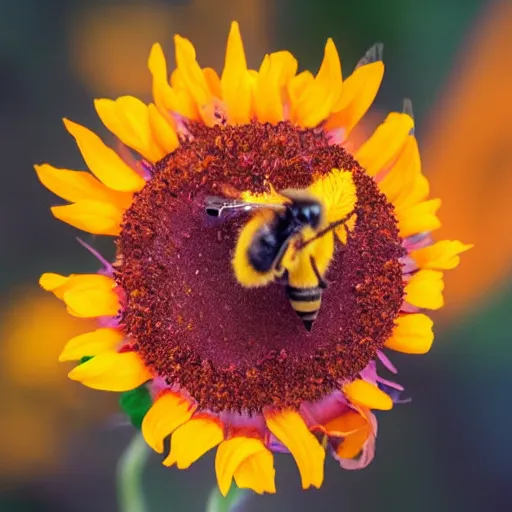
(467, 155)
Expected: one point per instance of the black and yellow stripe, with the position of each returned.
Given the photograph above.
(306, 303)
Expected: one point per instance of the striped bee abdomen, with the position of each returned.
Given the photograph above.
(306, 303)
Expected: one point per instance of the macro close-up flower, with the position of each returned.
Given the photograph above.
(265, 263)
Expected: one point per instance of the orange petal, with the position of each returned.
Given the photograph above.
(168, 412)
(231, 454)
(103, 162)
(442, 255)
(319, 97)
(419, 218)
(357, 95)
(425, 289)
(236, 91)
(361, 392)
(91, 344)
(289, 427)
(383, 147)
(112, 371)
(94, 217)
(354, 428)
(412, 334)
(192, 440)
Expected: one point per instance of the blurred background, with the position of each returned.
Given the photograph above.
(450, 449)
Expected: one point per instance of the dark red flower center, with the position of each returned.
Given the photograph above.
(236, 348)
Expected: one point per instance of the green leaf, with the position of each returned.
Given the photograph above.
(231, 503)
(136, 403)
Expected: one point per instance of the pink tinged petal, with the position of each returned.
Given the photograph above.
(386, 362)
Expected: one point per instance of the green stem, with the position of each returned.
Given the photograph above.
(129, 473)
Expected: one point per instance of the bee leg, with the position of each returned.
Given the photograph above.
(282, 278)
(321, 282)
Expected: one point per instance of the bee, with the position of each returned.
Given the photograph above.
(288, 239)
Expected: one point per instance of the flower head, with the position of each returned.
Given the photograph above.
(202, 319)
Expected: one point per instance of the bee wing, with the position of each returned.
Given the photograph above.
(373, 54)
(216, 206)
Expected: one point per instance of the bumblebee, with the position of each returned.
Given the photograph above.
(289, 238)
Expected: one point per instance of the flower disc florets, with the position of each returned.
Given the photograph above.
(239, 349)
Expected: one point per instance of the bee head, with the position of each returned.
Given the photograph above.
(307, 213)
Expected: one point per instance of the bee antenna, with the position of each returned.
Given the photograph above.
(322, 232)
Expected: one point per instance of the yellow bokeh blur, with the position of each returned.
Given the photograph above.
(40, 406)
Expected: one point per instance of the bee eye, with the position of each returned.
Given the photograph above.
(303, 216)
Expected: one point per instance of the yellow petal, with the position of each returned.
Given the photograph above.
(78, 185)
(53, 282)
(357, 95)
(163, 94)
(419, 218)
(298, 84)
(403, 172)
(128, 119)
(91, 344)
(59, 284)
(412, 334)
(319, 97)
(231, 454)
(168, 412)
(383, 147)
(257, 473)
(425, 289)
(236, 91)
(416, 192)
(361, 392)
(289, 427)
(91, 296)
(193, 78)
(213, 81)
(267, 98)
(192, 440)
(94, 217)
(112, 371)
(275, 72)
(104, 162)
(443, 255)
(162, 131)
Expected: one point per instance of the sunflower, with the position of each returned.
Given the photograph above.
(203, 346)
